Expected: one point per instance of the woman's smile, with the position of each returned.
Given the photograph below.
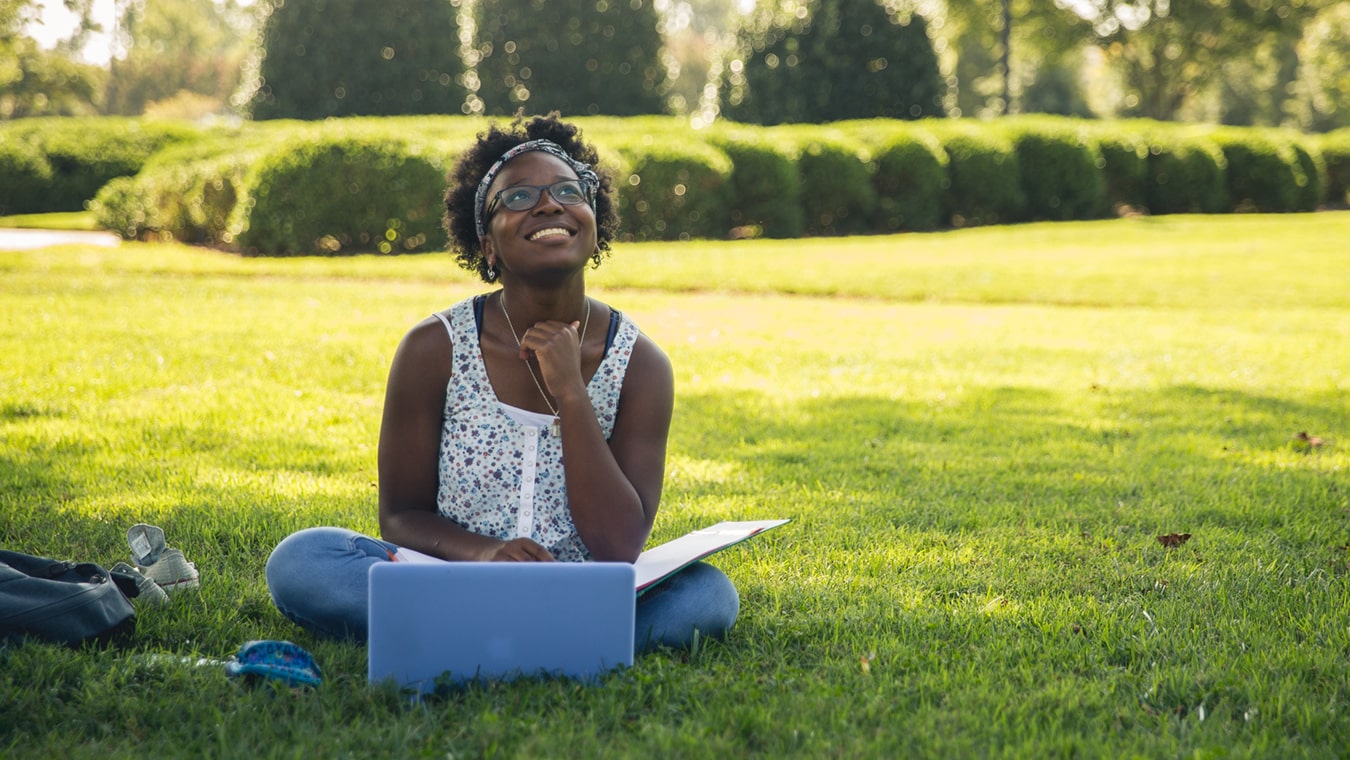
(549, 232)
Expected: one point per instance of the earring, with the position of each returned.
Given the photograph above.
(491, 273)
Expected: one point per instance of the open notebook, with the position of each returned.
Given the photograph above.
(660, 562)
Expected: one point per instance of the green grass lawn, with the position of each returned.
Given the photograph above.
(978, 435)
(68, 220)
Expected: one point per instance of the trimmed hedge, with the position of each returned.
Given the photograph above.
(329, 188)
(1265, 173)
(1061, 170)
(1335, 150)
(910, 177)
(190, 202)
(766, 190)
(187, 193)
(25, 176)
(85, 153)
(1125, 156)
(837, 196)
(909, 174)
(347, 185)
(671, 190)
(1310, 174)
(1186, 174)
(984, 176)
(372, 194)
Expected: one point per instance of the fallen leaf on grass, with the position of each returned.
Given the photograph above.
(996, 604)
(866, 662)
(1306, 442)
(1173, 540)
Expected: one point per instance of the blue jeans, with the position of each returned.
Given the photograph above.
(317, 578)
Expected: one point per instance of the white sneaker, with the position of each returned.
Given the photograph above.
(146, 542)
(148, 591)
(172, 572)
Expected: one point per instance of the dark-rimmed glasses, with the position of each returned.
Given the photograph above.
(567, 192)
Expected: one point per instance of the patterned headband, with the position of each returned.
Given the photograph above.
(589, 179)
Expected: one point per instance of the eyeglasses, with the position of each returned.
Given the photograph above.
(568, 192)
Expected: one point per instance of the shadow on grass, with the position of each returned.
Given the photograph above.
(1091, 460)
(992, 453)
(961, 547)
(978, 457)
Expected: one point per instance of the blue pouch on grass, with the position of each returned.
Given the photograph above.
(278, 660)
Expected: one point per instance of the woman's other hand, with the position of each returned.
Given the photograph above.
(521, 550)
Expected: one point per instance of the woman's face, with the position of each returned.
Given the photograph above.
(556, 232)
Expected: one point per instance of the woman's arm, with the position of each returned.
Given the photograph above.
(410, 437)
(614, 486)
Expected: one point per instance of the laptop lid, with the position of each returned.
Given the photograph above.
(498, 620)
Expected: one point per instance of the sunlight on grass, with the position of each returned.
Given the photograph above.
(68, 220)
(979, 436)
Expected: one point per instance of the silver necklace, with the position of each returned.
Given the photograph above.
(556, 427)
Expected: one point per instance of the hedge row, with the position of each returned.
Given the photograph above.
(375, 184)
(1335, 149)
(58, 164)
(294, 188)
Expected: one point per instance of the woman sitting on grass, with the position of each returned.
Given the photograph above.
(528, 424)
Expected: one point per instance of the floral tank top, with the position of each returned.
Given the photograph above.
(502, 477)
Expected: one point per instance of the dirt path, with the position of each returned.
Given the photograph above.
(15, 239)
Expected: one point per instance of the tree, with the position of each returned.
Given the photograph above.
(1044, 57)
(574, 56)
(36, 82)
(14, 16)
(1171, 52)
(322, 58)
(1323, 86)
(828, 60)
(698, 36)
(173, 47)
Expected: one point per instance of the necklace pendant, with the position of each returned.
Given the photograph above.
(556, 427)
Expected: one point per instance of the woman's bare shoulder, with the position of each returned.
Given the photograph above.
(426, 348)
(650, 365)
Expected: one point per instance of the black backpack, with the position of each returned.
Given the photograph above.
(62, 602)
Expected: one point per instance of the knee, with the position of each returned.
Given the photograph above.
(700, 598)
(717, 596)
(294, 558)
(293, 549)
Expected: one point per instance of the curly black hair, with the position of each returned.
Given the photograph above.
(490, 146)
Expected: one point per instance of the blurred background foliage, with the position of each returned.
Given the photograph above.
(579, 57)
(1235, 62)
(321, 58)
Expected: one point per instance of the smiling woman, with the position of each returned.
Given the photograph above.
(475, 191)
(517, 433)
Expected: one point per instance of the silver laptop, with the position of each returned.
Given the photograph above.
(452, 622)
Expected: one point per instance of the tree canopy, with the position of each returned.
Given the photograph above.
(176, 48)
(828, 60)
(1170, 51)
(574, 56)
(1242, 62)
(323, 58)
(37, 82)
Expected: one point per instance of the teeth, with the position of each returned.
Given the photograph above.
(550, 232)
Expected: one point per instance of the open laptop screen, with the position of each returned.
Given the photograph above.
(461, 621)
